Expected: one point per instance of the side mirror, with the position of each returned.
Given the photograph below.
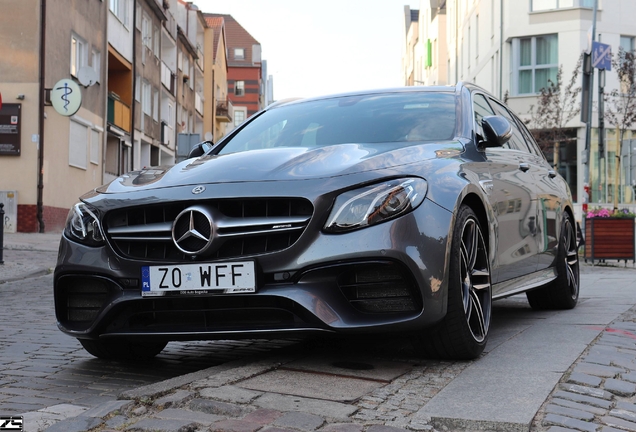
(200, 149)
(497, 130)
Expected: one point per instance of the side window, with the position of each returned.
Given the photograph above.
(517, 141)
(534, 147)
(481, 108)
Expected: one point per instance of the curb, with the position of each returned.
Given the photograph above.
(35, 273)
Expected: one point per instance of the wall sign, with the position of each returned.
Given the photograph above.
(66, 97)
(10, 119)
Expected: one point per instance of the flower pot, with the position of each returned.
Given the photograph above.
(609, 238)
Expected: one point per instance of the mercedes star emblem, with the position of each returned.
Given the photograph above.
(193, 231)
(197, 190)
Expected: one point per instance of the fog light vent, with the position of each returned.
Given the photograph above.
(84, 299)
(379, 287)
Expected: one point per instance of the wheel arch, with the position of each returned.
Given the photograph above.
(570, 212)
(477, 205)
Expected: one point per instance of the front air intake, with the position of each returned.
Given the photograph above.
(80, 299)
(380, 288)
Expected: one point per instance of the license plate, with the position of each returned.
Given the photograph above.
(230, 277)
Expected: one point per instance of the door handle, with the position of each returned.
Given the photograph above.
(551, 173)
(523, 166)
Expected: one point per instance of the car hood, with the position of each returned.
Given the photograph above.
(282, 164)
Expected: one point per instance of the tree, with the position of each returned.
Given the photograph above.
(621, 104)
(557, 105)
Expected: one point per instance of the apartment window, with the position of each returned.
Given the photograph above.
(138, 88)
(239, 88)
(155, 105)
(78, 144)
(239, 116)
(239, 53)
(535, 61)
(146, 103)
(627, 43)
(157, 40)
(119, 8)
(138, 18)
(492, 22)
(542, 5)
(468, 49)
(146, 27)
(477, 36)
(94, 155)
(78, 54)
(96, 63)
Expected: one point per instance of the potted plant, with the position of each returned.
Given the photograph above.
(609, 235)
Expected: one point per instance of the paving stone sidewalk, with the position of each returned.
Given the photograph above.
(28, 255)
(599, 391)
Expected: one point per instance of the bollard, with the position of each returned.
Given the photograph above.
(1, 231)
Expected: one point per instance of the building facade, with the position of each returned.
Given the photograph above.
(147, 72)
(48, 158)
(513, 51)
(219, 110)
(245, 86)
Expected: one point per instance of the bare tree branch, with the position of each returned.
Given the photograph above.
(557, 105)
(621, 108)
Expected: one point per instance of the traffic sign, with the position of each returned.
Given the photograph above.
(601, 55)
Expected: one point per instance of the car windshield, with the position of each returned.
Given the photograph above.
(378, 118)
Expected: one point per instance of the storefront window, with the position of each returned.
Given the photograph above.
(603, 171)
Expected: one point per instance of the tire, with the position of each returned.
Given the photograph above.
(563, 292)
(123, 350)
(463, 333)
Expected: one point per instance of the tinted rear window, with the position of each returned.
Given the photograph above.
(392, 117)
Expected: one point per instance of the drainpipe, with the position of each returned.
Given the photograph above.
(134, 87)
(500, 49)
(456, 42)
(41, 117)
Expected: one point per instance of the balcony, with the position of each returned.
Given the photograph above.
(200, 60)
(224, 111)
(167, 135)
(198, 103)
(118, 112)
(168, 78)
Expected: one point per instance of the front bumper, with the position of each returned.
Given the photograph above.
(388, 277)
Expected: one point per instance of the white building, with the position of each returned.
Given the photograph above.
(511, 48)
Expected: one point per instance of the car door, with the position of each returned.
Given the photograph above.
(511, 198)
(550, 190)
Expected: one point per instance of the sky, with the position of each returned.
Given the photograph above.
(318, 47)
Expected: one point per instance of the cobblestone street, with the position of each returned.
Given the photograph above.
(239, 386)
(41, 367)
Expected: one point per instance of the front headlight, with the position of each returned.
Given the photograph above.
(377, 203)
(82, 225)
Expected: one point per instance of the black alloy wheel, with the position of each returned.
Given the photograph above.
(563, 292)
(463, 333)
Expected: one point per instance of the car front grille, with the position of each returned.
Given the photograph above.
(244, 227)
